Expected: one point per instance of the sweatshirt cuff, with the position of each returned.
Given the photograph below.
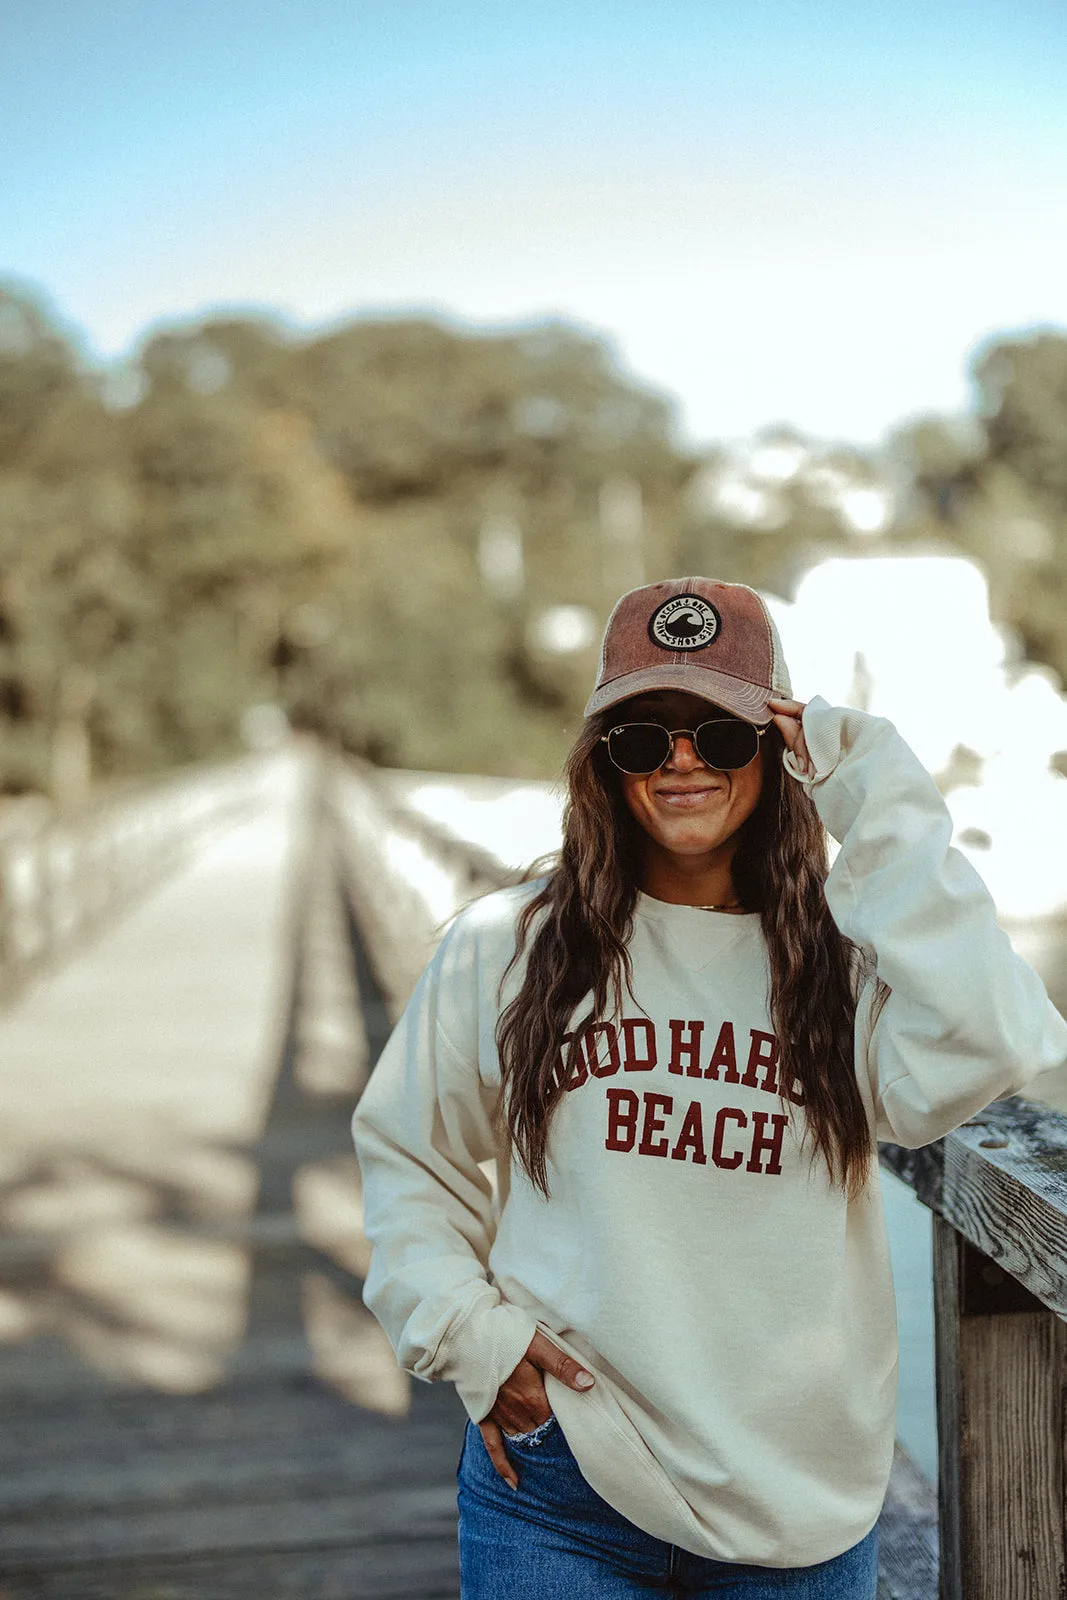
(822, 735)
(484, 1350)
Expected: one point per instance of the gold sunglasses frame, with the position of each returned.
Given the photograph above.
(690, 734)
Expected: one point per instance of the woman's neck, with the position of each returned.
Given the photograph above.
(690, 880)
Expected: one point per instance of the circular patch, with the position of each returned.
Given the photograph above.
(685, 623)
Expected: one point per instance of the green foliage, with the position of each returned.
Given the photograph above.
(250, 517)
(998, 489)
(1023, 388)
(263, 518)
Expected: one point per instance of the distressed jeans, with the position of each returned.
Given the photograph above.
(555, 1537)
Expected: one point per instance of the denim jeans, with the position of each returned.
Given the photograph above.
(555, 1537)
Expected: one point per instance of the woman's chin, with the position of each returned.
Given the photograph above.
(692, 842)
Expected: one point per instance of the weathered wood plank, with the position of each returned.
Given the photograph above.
(289, 1522)
(253, 1443)
(948, 1396)
(1001, 1180)
(1000, 1397)
(408, 1568)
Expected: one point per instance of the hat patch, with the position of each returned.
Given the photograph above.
(685, 623)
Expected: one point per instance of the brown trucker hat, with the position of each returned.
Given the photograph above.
(714, 639)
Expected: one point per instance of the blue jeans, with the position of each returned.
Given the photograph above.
(554, 1536)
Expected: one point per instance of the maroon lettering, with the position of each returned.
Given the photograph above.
(622, 1119)
(691, 1137)
(724, 1055)
(632, 1061)
(717, 1155)
(761, 1141)
(685, 1051)
(602, 1068)
(654, 1104)
(573, 1068)
(762, 1053)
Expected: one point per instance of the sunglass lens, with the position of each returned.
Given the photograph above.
(727, 745)
(639, 747)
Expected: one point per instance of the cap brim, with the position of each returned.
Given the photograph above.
(746, 700)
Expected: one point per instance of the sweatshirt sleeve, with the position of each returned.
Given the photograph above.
(967, 1020)
(422, 1125)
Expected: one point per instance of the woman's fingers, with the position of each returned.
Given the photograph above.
(521, 1401)
(791, 730)
(550, 1358)
(786, 716)
(799, 750)
(493, 1439)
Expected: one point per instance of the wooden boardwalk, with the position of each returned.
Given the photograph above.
(195, 1401)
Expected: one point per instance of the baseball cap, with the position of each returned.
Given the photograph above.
(717, 640)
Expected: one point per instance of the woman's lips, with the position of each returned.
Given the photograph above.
(684, 799)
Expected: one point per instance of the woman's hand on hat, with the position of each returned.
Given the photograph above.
(786, 718)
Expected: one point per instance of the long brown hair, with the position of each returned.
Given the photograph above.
(580, 948)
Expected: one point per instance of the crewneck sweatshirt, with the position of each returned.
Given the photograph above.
(736, 1310)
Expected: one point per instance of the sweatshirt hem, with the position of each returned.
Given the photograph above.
(647, 1496)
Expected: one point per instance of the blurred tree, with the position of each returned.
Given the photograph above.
(246, 516)
(65, 508)
(241, 521)
(996, 485)
(38, 372)
(433, 432)
(1022, 385)
(408, 534)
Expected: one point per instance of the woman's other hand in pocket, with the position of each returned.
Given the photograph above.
(521, 1402)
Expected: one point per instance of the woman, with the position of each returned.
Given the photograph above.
(674, 1329)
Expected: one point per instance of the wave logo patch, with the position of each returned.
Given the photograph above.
(684, 623)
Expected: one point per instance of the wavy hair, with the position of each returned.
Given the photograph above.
(580, 949)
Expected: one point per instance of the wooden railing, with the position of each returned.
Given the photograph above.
(404, 874)
(998, 1190)
(62, 876)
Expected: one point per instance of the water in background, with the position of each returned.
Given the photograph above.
(911, 1250)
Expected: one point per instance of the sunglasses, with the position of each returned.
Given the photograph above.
(643, 747)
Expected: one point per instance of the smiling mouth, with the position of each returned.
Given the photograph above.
(688, 794)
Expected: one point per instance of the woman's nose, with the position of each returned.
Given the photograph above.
(683, 756)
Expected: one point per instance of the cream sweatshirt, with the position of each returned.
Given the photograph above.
(737, 1312)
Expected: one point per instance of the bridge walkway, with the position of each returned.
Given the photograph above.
(195, 1402)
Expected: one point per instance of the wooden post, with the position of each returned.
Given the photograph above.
(1000, 1419)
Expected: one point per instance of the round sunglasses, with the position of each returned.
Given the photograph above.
(643, 747)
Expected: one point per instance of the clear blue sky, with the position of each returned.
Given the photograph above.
(779, 211)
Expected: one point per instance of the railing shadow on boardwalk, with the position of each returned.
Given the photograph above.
(274, 1480)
